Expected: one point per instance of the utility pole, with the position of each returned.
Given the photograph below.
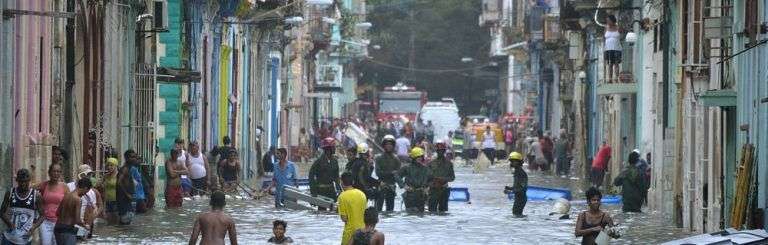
(411, 42)
(69, 85)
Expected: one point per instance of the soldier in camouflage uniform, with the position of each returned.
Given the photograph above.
(387, 165)
(415, 179)
(442, 173)
(361, 170)
(324, 173)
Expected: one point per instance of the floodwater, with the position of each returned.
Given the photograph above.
(486, 220)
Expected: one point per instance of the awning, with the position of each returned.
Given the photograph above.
(166, 74)
(721, 98)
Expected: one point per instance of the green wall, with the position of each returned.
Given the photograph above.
(170, 115)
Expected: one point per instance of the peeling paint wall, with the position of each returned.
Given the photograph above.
(30, 42)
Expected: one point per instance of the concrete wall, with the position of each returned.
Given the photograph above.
(27, 85)
(7, 109)
(750, 74)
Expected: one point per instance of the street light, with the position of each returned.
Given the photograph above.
(582, 76)
(328, 20)
(469, 81)
(294, 20)
(320, 2)
(364, 25)
(631, 38)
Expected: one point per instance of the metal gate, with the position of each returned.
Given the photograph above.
(142, 102)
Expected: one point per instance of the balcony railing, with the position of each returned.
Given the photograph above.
(536, 22)
(552, 28)
(320, 32)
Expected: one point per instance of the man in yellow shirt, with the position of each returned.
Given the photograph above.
(352, 204)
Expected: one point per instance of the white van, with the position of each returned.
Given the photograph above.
(444, 117)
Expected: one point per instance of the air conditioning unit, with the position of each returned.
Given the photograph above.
(160, 14)
(329, 76)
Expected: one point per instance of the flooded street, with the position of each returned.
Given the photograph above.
(486, 220)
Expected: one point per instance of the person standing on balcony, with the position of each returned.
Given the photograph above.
(612, 48)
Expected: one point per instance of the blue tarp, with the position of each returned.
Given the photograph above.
(459, 194)
(607, 199)
(536, 193)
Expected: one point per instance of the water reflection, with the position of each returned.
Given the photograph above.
(486, 220)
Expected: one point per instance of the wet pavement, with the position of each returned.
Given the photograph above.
(486, 220)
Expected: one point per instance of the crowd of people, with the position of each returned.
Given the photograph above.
(64, 213)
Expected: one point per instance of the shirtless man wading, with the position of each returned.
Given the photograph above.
(214, 224)
(69, 215)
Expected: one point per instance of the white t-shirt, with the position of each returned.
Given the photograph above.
(182, 159)
(612, 40)
(196, 167)
(489, 140)
(89, 199)
(402, 145)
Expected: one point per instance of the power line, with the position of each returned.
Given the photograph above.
(423, 70)
(520, 75)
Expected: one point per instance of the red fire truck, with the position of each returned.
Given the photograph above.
(399, 102)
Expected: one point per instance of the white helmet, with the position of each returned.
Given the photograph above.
(388, 137)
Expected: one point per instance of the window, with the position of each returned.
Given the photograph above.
(160, 14)
(750, 20)
(399, 105)
(658, 44)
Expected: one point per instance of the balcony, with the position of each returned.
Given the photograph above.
(491, 12)
(718, 98)
(536, 22)
(328, 77)
(552, 28)
(320, 33)
(626, 85)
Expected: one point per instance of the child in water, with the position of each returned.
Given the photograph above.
(520, 185)
(278, 229)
